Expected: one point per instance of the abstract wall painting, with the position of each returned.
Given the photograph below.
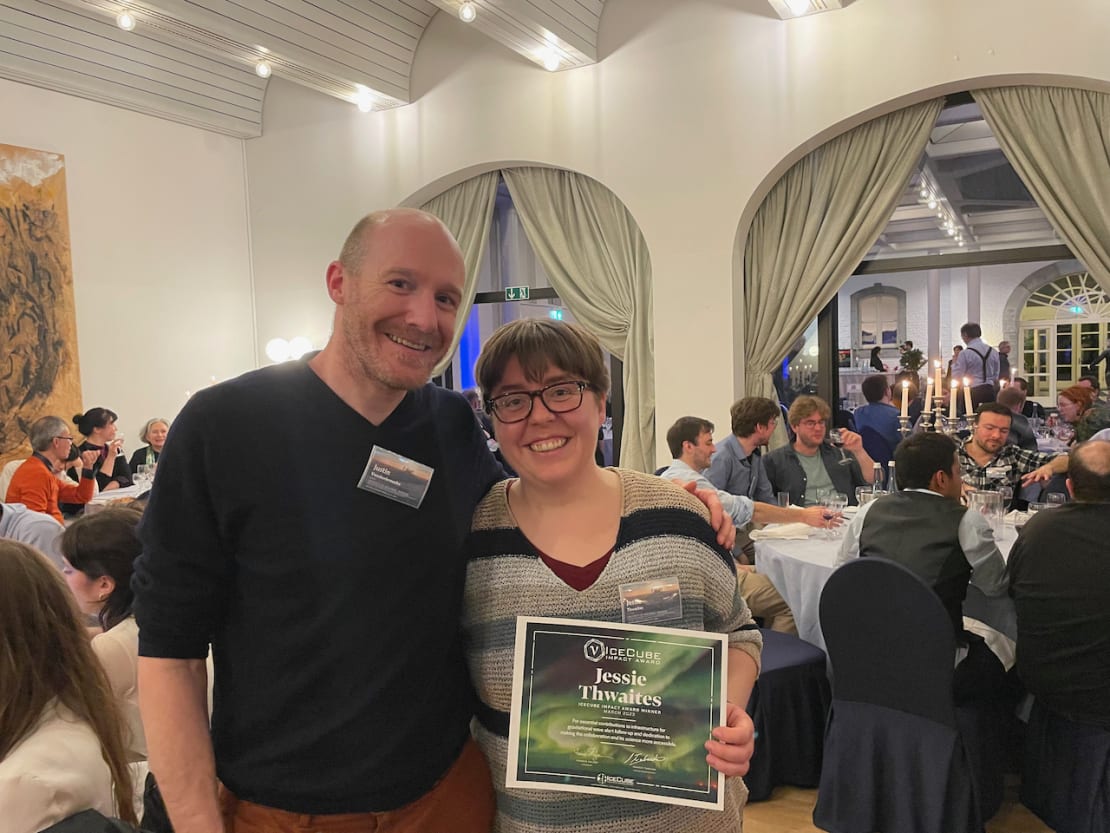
(39, 373)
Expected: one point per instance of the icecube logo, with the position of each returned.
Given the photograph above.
(594, 649)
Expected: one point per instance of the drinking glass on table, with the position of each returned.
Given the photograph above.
(835, 504)
(1054, 499)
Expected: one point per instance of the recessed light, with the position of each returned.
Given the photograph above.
(263, 69)
(125, 21)
(932, 204)
(467, 12)
(798, 7)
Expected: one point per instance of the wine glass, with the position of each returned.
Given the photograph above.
(998, 476)
(835, 503)
(836, 438)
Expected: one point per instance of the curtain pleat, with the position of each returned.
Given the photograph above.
(1058, 140)
(466, 210)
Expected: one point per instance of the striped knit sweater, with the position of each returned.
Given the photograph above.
(663, 532)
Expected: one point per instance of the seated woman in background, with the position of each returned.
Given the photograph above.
(1072, 403)
(61, 738)
(877, 360)
(559, 540)
(154, 435)
(98, 426)
(98, 552)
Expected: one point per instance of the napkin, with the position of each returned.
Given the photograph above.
(782, 531)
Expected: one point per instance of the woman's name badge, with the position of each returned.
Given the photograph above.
(646, 602)
(396, 477)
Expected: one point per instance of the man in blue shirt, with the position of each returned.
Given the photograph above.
(878, 414)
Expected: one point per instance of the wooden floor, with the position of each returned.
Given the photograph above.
(790, 810)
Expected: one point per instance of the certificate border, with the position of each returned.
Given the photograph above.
(606, 630)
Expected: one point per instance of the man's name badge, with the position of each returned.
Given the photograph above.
(647, 602)
(396, 477)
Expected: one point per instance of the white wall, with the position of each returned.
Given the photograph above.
(161, 259)
(692, 112)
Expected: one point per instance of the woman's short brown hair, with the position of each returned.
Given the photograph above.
(540, 343)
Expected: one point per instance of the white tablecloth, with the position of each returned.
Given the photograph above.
(799, 570)
(1051, 445)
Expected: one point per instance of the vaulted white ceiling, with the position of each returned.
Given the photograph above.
(193, 61)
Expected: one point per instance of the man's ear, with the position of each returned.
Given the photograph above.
(335, 279)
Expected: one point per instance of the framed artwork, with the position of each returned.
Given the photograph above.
(39, 373)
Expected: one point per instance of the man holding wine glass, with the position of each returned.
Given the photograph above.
(988, 463)
(819, 460)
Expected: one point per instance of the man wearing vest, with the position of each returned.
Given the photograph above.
(978, 363)
(925, 528)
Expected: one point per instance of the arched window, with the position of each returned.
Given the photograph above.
(1064, 325)
(878, 320)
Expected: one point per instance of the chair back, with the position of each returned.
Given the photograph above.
(889, 639)
(876, 446)
(6, 475)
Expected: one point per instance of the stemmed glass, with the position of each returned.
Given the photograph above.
(835, 503)
(837, 440)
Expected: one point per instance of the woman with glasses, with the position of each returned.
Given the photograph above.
(560, 540)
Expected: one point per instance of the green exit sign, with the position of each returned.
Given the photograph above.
(516, 293)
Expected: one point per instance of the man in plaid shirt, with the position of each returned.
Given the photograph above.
(987, 448)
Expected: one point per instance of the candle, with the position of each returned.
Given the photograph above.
(936, 376)
(929, 396)
(1002, 385)
(952, 400)
(905, 399)
(1013, 373)
(967, 396)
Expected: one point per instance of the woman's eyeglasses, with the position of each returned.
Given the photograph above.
(559, 398)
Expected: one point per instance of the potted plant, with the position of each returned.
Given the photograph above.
(910, 362)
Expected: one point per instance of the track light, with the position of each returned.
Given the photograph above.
(125, 21)
(932, 204)
(263, 69)
(467, 12)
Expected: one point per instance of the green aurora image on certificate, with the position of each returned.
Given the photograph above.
(616, 709)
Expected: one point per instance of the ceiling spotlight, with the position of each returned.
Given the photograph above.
(467, 12)
(924, 193)
(798, 7)
(959, 242)
(277, 350)
(364, 103)
(263, 69)
(550, 59)
(125, 21)
(932, 204)
(951, 232)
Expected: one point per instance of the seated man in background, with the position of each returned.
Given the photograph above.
(36, 485)
(1031, 409)
(690, 440)
(1058, 579)
(36, 529)
(1021, 432)
(987, 448)
(737, 465)
(925, 528)
(810, 466)
(878, 414)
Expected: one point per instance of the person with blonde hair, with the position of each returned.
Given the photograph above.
(154, 434)
(61, 737)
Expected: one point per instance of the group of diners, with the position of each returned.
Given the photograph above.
(62, 475)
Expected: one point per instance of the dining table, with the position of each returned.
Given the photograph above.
(799, 568)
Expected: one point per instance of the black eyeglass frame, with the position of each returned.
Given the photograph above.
(491, 404)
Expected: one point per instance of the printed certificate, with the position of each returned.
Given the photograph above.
(615, 709)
